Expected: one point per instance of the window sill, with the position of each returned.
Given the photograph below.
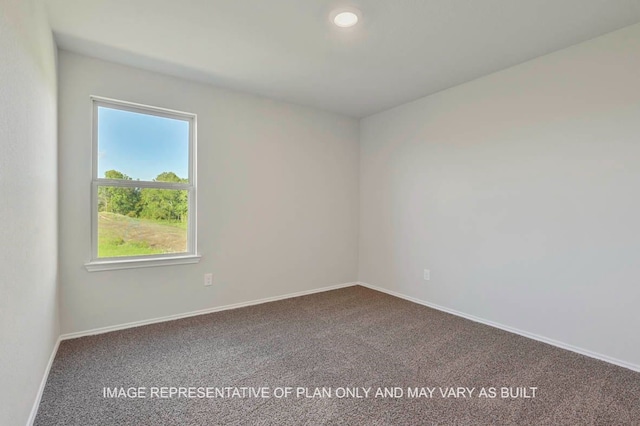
(113, 264)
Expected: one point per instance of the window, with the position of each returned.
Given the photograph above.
(143, 187)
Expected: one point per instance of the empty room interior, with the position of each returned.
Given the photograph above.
(314, 212)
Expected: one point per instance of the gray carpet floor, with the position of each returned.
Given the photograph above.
(348, 338)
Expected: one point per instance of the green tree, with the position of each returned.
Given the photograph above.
(119, 200)
(164, 204)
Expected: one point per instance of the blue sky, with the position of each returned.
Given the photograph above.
(141, 146)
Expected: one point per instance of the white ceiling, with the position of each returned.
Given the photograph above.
(288, 49)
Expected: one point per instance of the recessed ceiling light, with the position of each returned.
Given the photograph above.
(346, 18)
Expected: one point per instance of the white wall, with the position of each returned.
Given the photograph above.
(521, 192)
(28, 208)
(277, 199)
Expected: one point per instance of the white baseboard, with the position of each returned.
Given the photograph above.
(108, 329)
(543, 339)
(43, 382)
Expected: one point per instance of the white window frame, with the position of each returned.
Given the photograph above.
(127, 262)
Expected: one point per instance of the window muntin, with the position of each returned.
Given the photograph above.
(144, 192)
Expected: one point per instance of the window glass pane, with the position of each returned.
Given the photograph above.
(139, 146)
(141, 221)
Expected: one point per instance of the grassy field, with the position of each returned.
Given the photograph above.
(125, 236)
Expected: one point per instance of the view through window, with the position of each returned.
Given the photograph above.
(143, 182)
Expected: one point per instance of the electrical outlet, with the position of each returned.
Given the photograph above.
(427, 275)
(208, 279)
